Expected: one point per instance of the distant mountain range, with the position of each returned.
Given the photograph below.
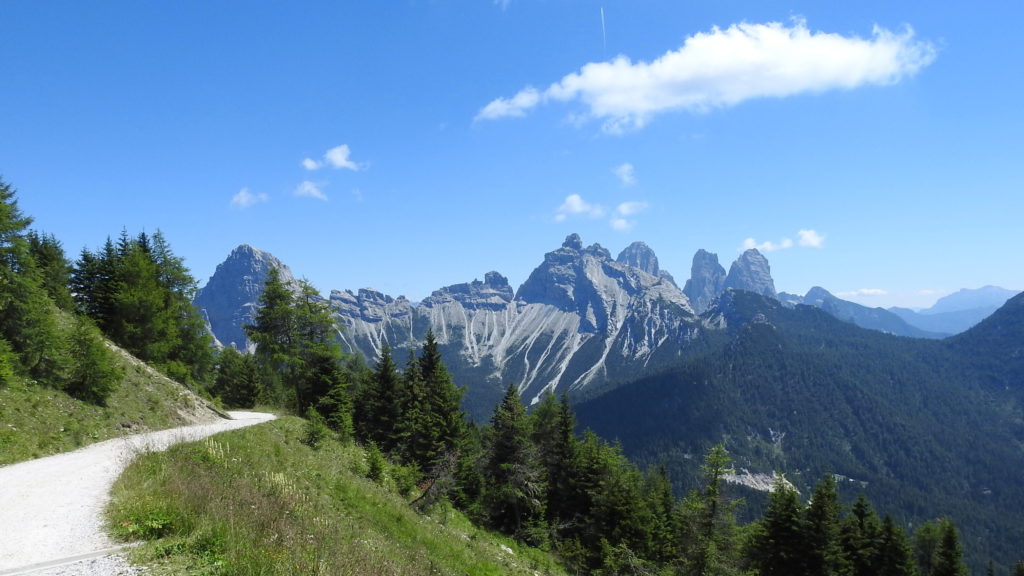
(582, 321)
(792, 384)
(959, 311)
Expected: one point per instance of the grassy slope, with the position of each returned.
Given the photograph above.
(37, 421)
(258, 501)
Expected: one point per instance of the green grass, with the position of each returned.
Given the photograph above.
(259, 501)
(38, 421)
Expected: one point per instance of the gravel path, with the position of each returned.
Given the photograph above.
(51, 508)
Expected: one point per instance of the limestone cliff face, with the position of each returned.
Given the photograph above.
(231, 297)
(707, 280)
(580, 319)
(752, 273)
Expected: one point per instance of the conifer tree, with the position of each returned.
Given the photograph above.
(1018, 570)
(860, 536)
(54, 268)
(895, 557)
(553, 433)
(444, 421)
(379, 404)
(949, 558)
(777, 548)
(824, 553)
(710, 529)
(27, 319)
(513, 484)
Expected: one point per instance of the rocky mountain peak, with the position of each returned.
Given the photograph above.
(494, 293)
(231, 297)
(639, 255)
(573, 242)
(752, 273)
(707, 280)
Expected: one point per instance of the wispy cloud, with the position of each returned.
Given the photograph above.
(310, 190)
(245, 198)
(621, 220)
(625, 173)
(502, 3)
(723, 68)
(805, 239)
(337, 157)
(862, 292)
(515, 106)
(810, 239)
(621, 217)
(767, 246)
(574, 205)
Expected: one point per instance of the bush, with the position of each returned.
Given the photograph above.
(316, 430)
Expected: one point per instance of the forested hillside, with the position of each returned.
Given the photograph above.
(921, 427)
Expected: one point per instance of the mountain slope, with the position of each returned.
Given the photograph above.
(959, 311)
(870, 318)
(799, 392)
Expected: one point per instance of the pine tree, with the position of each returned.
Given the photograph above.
(895, 557)
(444, 421)
(54, 268)
(553, 433)
(27, 319)
(1018, 570)
(824, 553)
(949, 558)
(777, 548)
(513, 484)
(861, 535)
(379, 404)
(710, 529)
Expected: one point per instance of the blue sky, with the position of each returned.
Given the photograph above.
(872, 148)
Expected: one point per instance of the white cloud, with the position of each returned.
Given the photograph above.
(631, 208)
(245, 198)
(862, 292)
(574, 204)
(810, 239)
(310, 190)
(622, 224)
(337, 157)
(515, 106)
(767, 246)
(722, 68)
(625, 173)
(502, 3)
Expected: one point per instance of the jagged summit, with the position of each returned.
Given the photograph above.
(752, 273)
(494, 293)
(707, 280)
(640, 255)
(230, 298)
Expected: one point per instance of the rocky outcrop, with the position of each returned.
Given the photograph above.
(640, 255)
(752, 273)
(230, 299)
(707, 280)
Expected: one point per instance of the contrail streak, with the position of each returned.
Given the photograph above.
(604, 34)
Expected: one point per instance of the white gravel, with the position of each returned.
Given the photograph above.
(51, 508)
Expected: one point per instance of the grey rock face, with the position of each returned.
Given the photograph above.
(752, 273)
(230, 299)
(494, 293)
(707, 280)
(640, 255)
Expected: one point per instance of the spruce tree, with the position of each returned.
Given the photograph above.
(949, 558)
(513, 482)
(777, 547)
(54, 268)
(379, 405)
(861, 535)
(710, 529)
(553, 426)
(895, 556)
(444, 421)
(824, 553)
